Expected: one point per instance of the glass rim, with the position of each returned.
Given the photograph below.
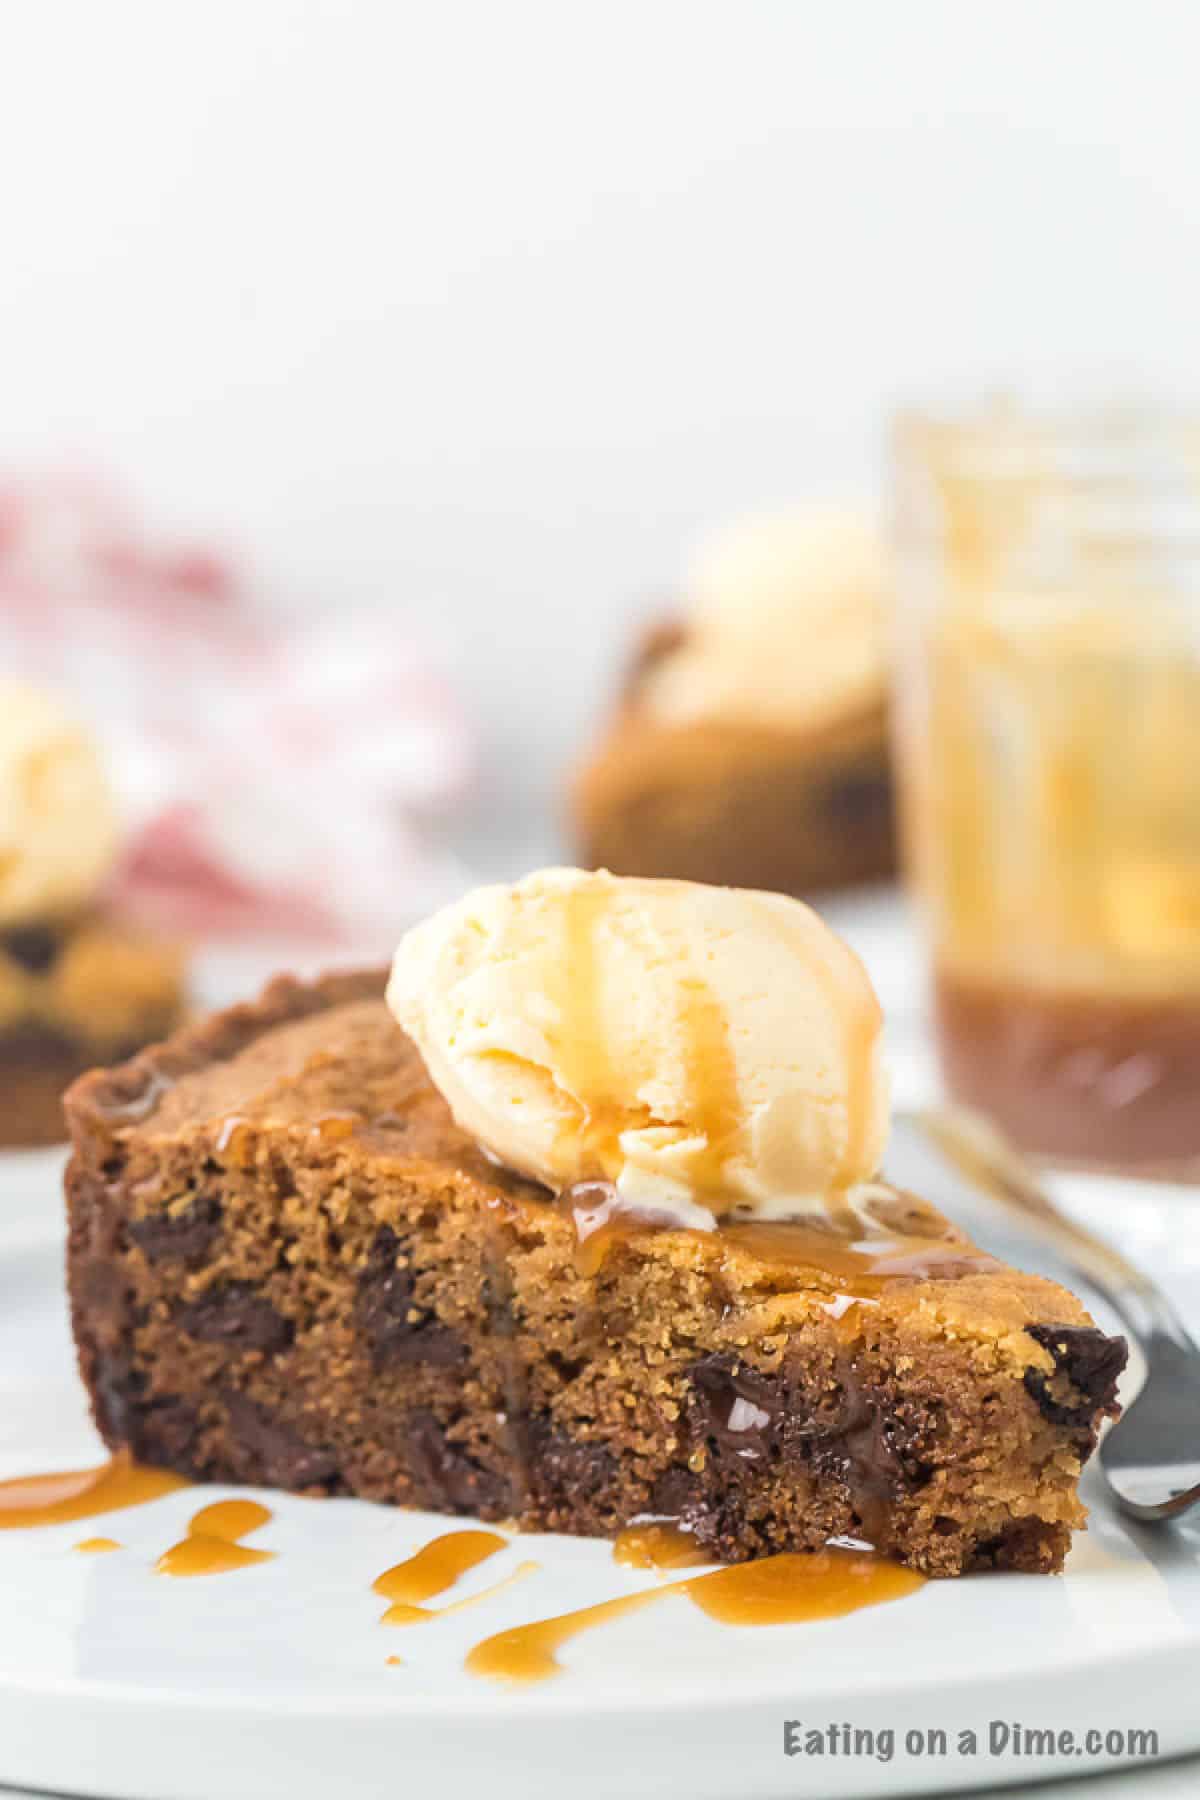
(1091, 443)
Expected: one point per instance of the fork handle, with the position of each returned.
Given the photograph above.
(983, 1157)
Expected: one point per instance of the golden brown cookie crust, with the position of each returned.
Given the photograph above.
(287, 1265)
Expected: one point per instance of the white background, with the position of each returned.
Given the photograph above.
(480, 310)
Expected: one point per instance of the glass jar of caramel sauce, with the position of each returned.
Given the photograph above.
(1048, 725)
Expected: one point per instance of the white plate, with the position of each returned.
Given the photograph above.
(273, 1680)
(30, 1196)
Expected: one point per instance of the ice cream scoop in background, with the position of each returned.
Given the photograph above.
(785, 624)
(58, 819)
(709, 1050)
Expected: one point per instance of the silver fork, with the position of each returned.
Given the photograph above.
(1151, 1456)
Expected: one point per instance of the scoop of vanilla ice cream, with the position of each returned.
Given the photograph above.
(58, 820)
(785, 625)
(709, 1050)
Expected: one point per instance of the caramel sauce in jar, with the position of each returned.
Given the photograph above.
(1097, 1081)
(1047, 575)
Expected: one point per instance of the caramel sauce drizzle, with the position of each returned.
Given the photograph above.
(852, 1253)
(863, 1021)
(783, 1589)
(796, 1586)
(401, 1613)
(236, 1134)
(581, 1045)
(433, 1569)
(34, 1500)
(658, 1544)
(863, 1265)
(788, 1589)
(582, 1050)
(332, 1126)
(525, 1653)
(233, 1133)
(601, 1222)
(857, 1254)
(712, 1075)
(212, 1545)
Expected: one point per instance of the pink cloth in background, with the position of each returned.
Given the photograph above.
(283, 774)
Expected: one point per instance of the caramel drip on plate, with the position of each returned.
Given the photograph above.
(230, 1519)
(794, 1587)
(431, 1571)
(777, 1590)
(208, 1556)
(59, 1499)
(94, 1546)
(526, 1652)
(400, 1613)
(211, 1546)
(658, 1544)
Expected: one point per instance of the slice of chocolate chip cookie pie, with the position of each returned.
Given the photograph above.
(79, 984)
(580, 1224)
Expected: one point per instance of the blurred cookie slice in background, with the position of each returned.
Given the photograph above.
(79, 982)
(750, 744)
